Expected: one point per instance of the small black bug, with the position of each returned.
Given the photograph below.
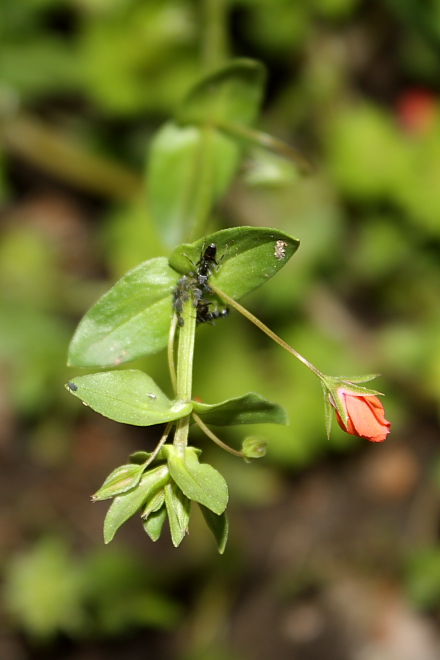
(72, 386)
(205, 316)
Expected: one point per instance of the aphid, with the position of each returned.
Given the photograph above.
(152, 396)
(280, 250)
(72, 386)
(181, 294)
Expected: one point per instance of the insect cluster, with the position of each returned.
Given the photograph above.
(194, 285)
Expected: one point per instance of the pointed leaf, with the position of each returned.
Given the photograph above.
(131, 320)
(248, 257)
(218, 525)
(251, 408)
(189, 169)
(198, 481)
(126, 505)
(119, 481)
(232, 94)
(128, 396)
(154, 523)
(154, 503)
(178, 508)
(139, 457)
(155, 514)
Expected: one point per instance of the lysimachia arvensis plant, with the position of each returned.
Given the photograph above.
(159, 304)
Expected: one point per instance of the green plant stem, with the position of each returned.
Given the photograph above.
(267, 330)
(214, 38)
(185, 358)
(202, 179)
(171, 363)
(160, 444)
(268, 142)
(214, 438)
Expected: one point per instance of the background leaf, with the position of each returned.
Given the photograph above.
(251, 408)
(231, 95)
(131, 320)
(128, 396)
(190, 168)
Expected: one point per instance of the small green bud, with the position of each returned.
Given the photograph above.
(254, 447)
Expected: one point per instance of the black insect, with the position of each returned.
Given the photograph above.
(205, 316)
(206, 264)
(72, 386)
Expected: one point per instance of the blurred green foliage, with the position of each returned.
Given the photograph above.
(361, 295)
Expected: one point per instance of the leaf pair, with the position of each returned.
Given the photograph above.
(133, 318)
(132, 397)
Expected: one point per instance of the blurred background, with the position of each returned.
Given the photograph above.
(334, 549)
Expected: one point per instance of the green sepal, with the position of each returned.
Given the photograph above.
(129, 321)
(233, 94)
(328, 412)
(178, 507)
(250, 408)
(198, 481)
(253, 448)
(128, 396)
(126, 505)
(357, 379)
(218, 525)
(119, 481)
(248, 257)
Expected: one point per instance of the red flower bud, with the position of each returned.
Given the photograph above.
(366, 416)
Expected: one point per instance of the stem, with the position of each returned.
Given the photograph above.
(268, 142)
(185, 358)
(171, 363)
(214, 40)
(160, 444)
(267, 330)
(214, 438)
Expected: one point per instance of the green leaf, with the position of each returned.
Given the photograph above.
(154, 515)
(131, 320)
(251, 408)
(154, 503)
(231, 95)
(179, 509)
(248, 257)
(139, 457)
(218, 525)
(189, 169)
(119, 481)
(198, 481)
(154, 523)
(126, 505)
(128, 396)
